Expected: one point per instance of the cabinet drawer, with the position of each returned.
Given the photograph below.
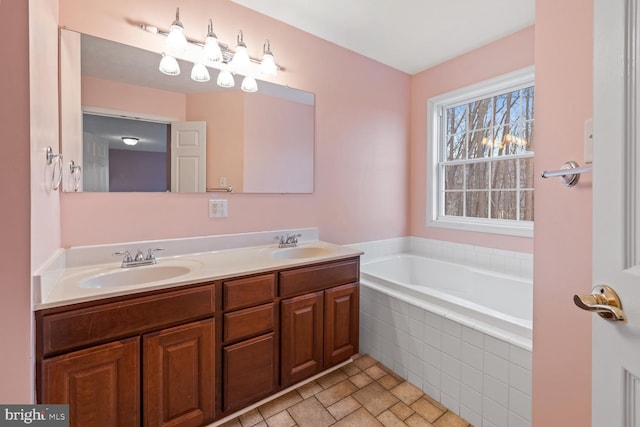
(105, 322)
(248, 291)
(247, 322)
(307, 279)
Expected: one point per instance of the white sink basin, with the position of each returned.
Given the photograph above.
(136, 275)
(302, 252)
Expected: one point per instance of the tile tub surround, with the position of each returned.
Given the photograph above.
(483, 379)
(363, 393)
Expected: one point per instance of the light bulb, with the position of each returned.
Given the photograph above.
(176, 38)
(268, 65)
(211, 47)
(169, 65)
(249, 84)
(225, 79)
(240, 60)
(199, 73)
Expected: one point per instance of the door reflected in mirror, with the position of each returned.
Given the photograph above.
(259, 142)
(111, 164)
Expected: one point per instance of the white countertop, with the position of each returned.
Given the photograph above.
(204, 266)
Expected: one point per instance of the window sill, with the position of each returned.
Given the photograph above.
(509, 228)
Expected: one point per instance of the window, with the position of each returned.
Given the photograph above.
(481, 156)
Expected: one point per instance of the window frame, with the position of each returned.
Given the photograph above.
(505, 83)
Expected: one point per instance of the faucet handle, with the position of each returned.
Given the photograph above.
(280, 240)
(293, 238)
(151, 255)
(127, 255)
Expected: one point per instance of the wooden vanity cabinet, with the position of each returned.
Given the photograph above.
(193, 355)
(156, 368)
(341, 323)
(302, 332)
(101, 384)
(178, 375)
(249, 343)
(319, 329)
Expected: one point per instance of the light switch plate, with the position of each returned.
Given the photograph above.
(217, 208)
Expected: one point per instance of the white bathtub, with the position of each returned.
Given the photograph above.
(495, 303)
(461, 334)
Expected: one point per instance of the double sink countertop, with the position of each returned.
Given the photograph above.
(70, 285)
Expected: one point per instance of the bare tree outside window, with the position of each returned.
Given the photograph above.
(486, 157)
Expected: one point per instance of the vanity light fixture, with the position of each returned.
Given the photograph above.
(130, 140)
(211, 48)
(268, 65)
(249, 84)
(169, 65)
(176, 38)
(240, 61)
(215, 54)
(199, 73)
(225, 79)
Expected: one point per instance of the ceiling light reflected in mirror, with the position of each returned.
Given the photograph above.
(130, 140)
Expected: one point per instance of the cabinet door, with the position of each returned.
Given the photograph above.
(248, 371)
(301, 337)
(178, 375)
(101, 384)
(341, 323)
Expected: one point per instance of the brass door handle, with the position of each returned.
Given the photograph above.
(604, 301)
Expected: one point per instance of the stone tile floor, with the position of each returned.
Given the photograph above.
(361, 394)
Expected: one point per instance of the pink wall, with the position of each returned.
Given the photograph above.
(562, 246)
(277, 156)
(362, 115)
(133, 99)
(43, 91)
(15, 296)
(225, 134)
(44, 132)
(508, 54)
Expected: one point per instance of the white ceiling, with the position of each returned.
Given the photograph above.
(409, 35)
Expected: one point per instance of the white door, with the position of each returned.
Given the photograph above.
(616, 212)
(96, 163)
(188, 157)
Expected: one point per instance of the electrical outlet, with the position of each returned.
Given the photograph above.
(217, 208)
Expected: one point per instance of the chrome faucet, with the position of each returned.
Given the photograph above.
(290, 241)
(139, 259)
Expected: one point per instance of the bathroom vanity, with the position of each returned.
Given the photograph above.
(190, 354)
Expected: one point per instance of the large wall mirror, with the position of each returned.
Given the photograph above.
(132, 128)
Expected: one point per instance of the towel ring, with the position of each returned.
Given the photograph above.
(76, 174)
(56, 159)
